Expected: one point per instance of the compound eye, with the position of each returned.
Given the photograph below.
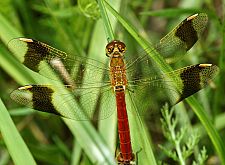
(110, 49)
(122, 49)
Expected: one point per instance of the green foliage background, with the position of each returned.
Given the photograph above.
(76, 27)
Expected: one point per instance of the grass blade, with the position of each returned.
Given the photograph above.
(107, 24)
(14, 142)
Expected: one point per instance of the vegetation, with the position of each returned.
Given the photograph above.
(82, 28)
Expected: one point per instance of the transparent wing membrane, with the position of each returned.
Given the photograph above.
(174, 86)
(35, 54)
(182, 37)
(52, 99)
(87, 83)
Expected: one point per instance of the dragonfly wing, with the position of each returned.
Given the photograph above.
(177, 42)
(173, 46)
(194, 78)
(35, 54)
(79, 104)
(174, 86)
(32, 52)
(87, 79)
(36, 96)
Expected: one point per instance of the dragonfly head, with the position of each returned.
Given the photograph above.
(115, 48)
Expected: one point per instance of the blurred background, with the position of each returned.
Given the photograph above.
(75, 27)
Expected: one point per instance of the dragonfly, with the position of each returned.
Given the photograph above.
(113, 83)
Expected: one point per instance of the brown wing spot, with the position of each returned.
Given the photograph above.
(196, 77)
(191, 81)
(42, 99)
(187, 33)
(36, 53)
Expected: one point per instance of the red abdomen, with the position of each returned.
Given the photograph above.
(123, 127)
